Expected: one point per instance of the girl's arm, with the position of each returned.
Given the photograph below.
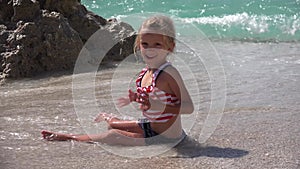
(124, 101)
(172, 79)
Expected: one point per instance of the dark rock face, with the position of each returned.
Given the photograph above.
(48, 44)
(46, 35)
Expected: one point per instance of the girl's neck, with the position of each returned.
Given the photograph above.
(152, 68)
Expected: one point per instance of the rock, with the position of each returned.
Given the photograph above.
(44, 45)
(6, 11)
(80, 19)
(25, 10)
(124, 38)
(47, 35)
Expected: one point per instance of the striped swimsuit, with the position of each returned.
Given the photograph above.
(156, 116)
(155, 93)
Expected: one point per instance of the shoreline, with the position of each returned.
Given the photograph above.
(259, 127)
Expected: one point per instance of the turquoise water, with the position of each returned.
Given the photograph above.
(244, 20)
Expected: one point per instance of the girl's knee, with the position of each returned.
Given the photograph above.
(113, 132)
(112, 136)
(113, 123)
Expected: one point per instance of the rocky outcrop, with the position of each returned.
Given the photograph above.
(47, 35)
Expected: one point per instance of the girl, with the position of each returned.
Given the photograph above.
(160, 92)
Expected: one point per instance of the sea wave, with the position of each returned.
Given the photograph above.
(254, 20)
(245, 26)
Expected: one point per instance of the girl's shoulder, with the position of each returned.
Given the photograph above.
(170, 73)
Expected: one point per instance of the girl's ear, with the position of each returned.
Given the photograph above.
(136, 47)
(172, 46)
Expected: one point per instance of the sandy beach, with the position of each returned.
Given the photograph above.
(259, 127)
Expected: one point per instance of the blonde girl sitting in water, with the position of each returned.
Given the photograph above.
(160, 91)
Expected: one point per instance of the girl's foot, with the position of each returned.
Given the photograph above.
(104, 117)
(51, 136)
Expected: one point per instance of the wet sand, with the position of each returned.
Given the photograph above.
(259, 127)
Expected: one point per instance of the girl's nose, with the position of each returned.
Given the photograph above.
(151, 52)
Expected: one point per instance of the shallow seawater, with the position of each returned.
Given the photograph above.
(257, 20)
(259, 77)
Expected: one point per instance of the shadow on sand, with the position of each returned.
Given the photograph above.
(190, 148)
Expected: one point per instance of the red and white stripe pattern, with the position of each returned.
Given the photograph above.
(156, 93)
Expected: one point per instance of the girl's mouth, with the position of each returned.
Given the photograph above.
(150, 56)
(151, 53)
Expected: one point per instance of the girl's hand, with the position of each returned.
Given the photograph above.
(124, 101)
(132, 96)
(143, 98)
(103, 117)
(150, 103)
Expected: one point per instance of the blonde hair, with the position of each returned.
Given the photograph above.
(157, 25)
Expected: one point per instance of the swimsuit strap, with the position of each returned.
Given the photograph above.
(150, 88)
(140, 77)
(158, 71)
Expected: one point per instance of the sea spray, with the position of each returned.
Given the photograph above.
(249, 20)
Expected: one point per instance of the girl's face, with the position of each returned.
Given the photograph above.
(154, 49)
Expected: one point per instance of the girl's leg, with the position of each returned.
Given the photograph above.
(112, 137)
(125, 125)
(52, 136)
(116, 123)
(119, 137)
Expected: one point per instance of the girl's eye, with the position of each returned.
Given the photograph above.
(144, 44)
(158, 45)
